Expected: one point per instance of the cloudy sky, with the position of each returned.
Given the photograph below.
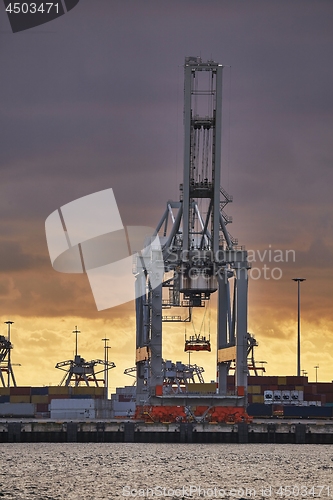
(94, 100)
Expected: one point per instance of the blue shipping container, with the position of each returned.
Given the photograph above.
(307, 411)
(39, 391)
(81, 396)
(259, 410)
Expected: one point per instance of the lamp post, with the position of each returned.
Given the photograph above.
(316, 368)
(107, 371)
(76, 331)
(106, 356)
(299, 280)
(9, 323)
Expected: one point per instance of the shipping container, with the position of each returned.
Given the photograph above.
(100, 391)
(4, 399)
(259, 410)
(286, 396)
(37, 399)
(268, 396)
(126, 397)
(57, 396)
(205, 388)
(329, 398)
(257, 398)
(308, 411)
(277, 410)
(297, 380)
(39, 391)
(19, 399)
(42, 407)
(103, 408)
(297, 395)
(282, 381)
(84, 390)
(72, 404)
(17, 410)
(254, 389)
(273, 380)
(82, 396)
(78, 409)
(4, 391)
(277, 396)
(117, 406)
(78, 414)
(254, 380)
(120, 414)
(324, 387)
(59, 389)
(20, 391)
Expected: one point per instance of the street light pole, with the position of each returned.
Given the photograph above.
(105, 340)
(299, 280)
(107, 371)
(76, 331)
(9, 323)
(316, 368)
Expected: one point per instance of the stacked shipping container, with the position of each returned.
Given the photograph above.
(41, 397)
(123, 401)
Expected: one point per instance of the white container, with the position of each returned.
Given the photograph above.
(17, 409)
(268, 397)
(123, 406)
(72, 404)
(294, 395)
(285, 396)
(72, 409)
(78, 414)
(277, 396)
(124, 414)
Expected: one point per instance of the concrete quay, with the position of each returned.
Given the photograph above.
(129, 431)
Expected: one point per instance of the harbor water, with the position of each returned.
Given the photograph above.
(107, 471)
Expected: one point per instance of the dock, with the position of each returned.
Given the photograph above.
(129, 431)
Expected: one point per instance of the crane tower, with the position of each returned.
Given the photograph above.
(200, 257)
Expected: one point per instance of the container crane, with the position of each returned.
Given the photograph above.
(200, 257)
(79, 371)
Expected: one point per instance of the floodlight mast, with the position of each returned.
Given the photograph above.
(198, 251)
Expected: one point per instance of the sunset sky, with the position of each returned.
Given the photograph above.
(94, 100)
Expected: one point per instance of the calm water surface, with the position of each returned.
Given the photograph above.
(165, 471)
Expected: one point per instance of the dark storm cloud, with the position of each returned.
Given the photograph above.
(98, 103)
(13, 258)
